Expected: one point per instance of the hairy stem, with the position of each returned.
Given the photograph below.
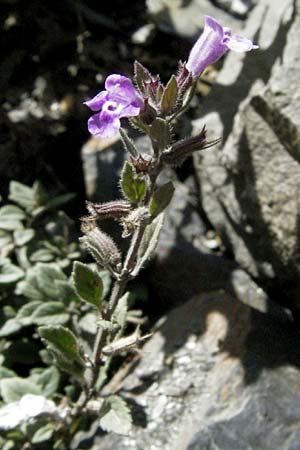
(116, 293)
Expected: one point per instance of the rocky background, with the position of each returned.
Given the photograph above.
(222, 369)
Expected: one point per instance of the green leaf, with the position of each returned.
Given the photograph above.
(88, 284)
(160, 134)
(21, 194)
(62, 342)
(11, 217)
(43, 434)
(60, 200)
(149, 241)
(128, 143)
(161, 198)
(115, 415)
(170, 95)
(88, 323)
(41, 282)
(134, 188)
(5, 239)
(9, 273)
(106, 279)
(29, 287)
(42, 255)
(50, 313)
(66, 291)
(120, 313)
(6, 373)
(10, 327)
(24, 315)
(141, 75)
(48, 380)
(46, 276)
(13, 389)
(23, 236)
(39, 194)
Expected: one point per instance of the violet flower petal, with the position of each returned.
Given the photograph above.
(96, 103)
(120, 99)
(130, 111)
(104, 125)
(122, 90)
(208, 48)
(240, 44)
(213, 43)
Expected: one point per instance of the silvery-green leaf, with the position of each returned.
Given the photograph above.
(120, 313)
(24, 315)
(10, 327)
(149, 242)
(5, 238)
(63, 343)
(9, 273)
(11, 217)
(13, 389)
(23, 236)
(88, 323)
(46, 275)
(43, 434)
(21, 194)
(6, 373)
(47, 379)
(115, 415)
(50, 313)
(42, 255)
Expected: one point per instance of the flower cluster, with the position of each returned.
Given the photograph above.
(121, 99)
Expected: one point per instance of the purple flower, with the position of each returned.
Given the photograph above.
(213, 43)
(119, 99)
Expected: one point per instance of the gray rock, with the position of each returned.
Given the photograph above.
(185, 18)
(250, 190)
(218, 374)
(239, 7)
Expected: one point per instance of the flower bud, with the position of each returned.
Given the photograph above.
(140, 164)
(101, 247)
(115, 209)
(134, 219)
(175, 155)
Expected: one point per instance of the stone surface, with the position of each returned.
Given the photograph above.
(185, 18)
(250, 190)
(217, 374)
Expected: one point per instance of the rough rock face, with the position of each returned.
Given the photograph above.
(185, 18)
(250, 191)
(217, 374)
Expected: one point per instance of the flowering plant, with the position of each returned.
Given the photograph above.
(152, 107)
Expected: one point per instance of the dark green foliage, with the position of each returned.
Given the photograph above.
(133, 186)
(88, 284)
(161, 198)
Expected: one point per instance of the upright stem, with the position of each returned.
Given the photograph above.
(116, 293)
